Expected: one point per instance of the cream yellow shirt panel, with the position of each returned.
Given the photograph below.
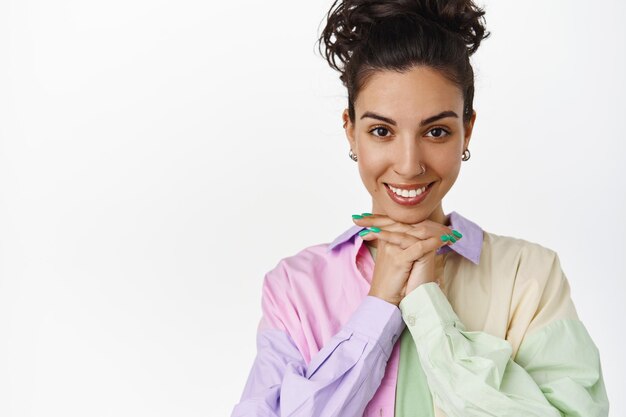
(516, 289)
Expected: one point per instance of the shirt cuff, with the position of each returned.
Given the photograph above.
(426, 308)
(378, 320)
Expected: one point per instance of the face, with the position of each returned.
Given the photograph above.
(390, 151)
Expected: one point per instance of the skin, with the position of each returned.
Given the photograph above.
(392, 154)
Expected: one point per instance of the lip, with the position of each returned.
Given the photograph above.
(409, 201)
(408, 187)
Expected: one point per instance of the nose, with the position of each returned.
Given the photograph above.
(409, 158)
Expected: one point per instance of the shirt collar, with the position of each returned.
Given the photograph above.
(470, 246)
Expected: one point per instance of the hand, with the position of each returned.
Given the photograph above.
(405, 256)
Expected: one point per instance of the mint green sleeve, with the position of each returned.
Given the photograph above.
(556, 371)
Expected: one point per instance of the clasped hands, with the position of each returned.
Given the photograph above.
(405, 253)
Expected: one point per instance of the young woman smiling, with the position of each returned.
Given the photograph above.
(412, 312)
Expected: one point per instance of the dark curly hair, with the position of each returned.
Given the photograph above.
(373, 35)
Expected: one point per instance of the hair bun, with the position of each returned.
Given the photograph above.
(351, 21)
(460, 16)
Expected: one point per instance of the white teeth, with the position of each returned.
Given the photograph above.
(407, 193)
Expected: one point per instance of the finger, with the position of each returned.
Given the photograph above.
(422, 228)
(400, 239)
(385, 222)
(424, 231)
(427, 230)
(377, 220)
(393, 227)
(421, 248)
(405, 240)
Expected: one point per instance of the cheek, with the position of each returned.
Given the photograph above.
(446, 164)
(368, 169)
(372, 167)
(443, 157)
(370, 159)
(452, 163)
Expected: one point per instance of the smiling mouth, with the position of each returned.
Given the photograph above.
(427, 186)
(410, 200)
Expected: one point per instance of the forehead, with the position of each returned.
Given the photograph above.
(421, 89)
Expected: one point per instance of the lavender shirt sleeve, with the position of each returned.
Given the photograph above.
(339, 380)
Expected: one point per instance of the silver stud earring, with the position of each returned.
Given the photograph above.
(466, 156)
(353, 156)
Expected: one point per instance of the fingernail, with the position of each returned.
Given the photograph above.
(366, 214)
(363, 232)
(356, 216)
(457, 233)
(445, 238)
(374, 229)
(452, 238)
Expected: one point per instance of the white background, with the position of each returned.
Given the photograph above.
(158, 157)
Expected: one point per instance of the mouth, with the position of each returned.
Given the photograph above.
(412, 199)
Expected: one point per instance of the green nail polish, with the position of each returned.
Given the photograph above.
(363, 232)
(457, 233)
(356, 216)
(366, 214)
(452, 239)
(445, 238)
(374, 229)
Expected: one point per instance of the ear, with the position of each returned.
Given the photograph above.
(349, 128)
(469, 127)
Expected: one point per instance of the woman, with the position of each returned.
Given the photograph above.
(411, 312)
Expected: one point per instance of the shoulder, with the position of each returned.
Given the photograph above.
(298, 287)
(517, 249)
(528, 266)
(535, 270)
(303, 268)
(538, 288)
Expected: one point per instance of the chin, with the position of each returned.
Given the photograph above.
(408, 217)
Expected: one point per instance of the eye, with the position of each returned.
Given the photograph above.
(439, 130)
(379, 128)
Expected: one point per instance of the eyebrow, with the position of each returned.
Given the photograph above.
(442, 115)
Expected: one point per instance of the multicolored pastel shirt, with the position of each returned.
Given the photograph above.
(498, 336)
